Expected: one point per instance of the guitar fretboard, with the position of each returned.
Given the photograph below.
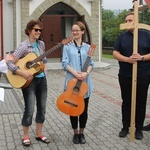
(47, 53)
(78, 84)
(86, 64)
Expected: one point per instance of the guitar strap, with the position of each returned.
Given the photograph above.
(78, 47)
(79, 51)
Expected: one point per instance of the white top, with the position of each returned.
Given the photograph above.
(2, 94)
(3, 66)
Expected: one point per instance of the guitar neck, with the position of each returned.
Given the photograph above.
(86, 64)
(84, 69)
(78, 84)
(47, 53)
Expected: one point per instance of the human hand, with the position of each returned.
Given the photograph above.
(28, 76)
(25, 74)
(134, 58)
(9, 58)
(81, 76)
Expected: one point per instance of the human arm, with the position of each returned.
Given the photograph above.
(145, 57)
(82, 74)
(3, 63)
(131, 59)
(9, 58)
(123, 47)
(3, 66)
(19, 54)
(79, 75)
(71, 61)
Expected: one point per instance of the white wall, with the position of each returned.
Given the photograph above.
(8, 26)
(35, 3)
(8, 20)
(18, 23)
(86, 4)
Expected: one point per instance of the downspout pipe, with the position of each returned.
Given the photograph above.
(2, 42)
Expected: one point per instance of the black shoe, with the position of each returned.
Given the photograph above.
(82, 139)
(75, 139)
(123, 133)
(138, 134)
(146, 128)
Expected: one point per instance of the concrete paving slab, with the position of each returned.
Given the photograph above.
(104, 120)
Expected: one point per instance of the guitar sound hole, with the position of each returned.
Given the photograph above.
(28, 65)
(76, 90)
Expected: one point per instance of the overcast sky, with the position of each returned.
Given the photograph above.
(117, 4)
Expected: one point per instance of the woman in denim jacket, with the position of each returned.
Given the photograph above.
(74, 57)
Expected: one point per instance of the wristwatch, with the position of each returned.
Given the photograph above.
(87, 73)
(142, 58)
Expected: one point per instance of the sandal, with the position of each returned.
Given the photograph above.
(26, 141)
(43, 139)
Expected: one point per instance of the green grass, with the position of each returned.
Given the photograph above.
(108, 56)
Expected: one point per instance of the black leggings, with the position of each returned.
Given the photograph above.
(82, 118)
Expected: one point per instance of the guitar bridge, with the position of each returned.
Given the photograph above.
(72, 104)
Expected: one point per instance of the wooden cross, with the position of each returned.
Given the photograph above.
(135, 26)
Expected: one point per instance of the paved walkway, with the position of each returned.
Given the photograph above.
(103, 126)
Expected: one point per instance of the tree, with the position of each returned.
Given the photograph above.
(111, 23)
(110, 26)
(144, 15)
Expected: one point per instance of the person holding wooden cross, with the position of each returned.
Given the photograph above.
(123, 52)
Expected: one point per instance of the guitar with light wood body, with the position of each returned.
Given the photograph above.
(32, 64)
(71, 102)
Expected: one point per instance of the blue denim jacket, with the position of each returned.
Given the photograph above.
(73, 58)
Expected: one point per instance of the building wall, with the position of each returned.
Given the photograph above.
(8, 26)
(1, 29)
(33, 9)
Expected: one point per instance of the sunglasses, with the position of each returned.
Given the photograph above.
(36, 30)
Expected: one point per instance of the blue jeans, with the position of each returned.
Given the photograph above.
(36, 91)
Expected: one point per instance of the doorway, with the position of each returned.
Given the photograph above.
(57, 23)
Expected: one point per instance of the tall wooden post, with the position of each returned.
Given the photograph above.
(135, 26)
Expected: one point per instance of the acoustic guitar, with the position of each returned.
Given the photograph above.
(71, 102)
(32, 64)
